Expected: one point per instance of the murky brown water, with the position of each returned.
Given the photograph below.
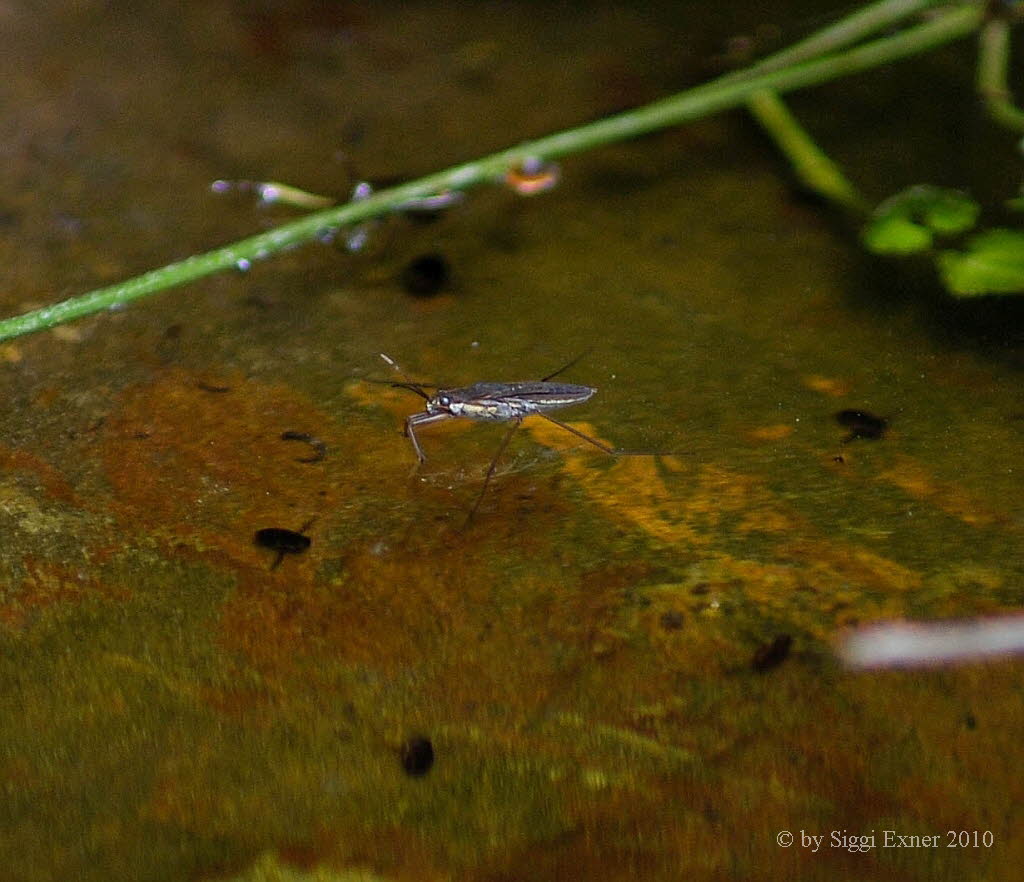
(591, 659)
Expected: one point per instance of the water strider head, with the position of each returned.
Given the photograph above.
(441, 403)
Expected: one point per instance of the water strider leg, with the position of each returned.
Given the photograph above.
(492, 467)
(565, 366)
(422, 419)
(611, 451)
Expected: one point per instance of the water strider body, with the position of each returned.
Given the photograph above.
(498, 403)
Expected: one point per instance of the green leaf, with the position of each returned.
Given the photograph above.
(896, 235)
(905, 223)
(992, 264)
(948, 212)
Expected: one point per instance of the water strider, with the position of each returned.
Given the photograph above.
(500, 403)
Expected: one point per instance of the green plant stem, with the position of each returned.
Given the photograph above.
(684, 107)
(854, 27)
(810, 164)
(993, 64)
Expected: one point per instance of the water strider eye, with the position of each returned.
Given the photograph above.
(444, 401)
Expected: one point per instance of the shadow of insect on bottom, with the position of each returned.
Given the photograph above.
(501, 403)
(283, 541)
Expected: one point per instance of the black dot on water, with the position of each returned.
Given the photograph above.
(417, 756)
(426, 275)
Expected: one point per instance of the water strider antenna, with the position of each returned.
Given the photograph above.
(407, 383)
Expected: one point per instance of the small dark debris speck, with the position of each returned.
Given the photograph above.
(970, 721)
(210, 387)
(862, 424)
(771, 655)
(417, 756)
(426, 275)
(671, 620)
(319, 448)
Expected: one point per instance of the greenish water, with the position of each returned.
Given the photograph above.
(582, 657)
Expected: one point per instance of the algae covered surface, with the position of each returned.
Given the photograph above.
(624, 666)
